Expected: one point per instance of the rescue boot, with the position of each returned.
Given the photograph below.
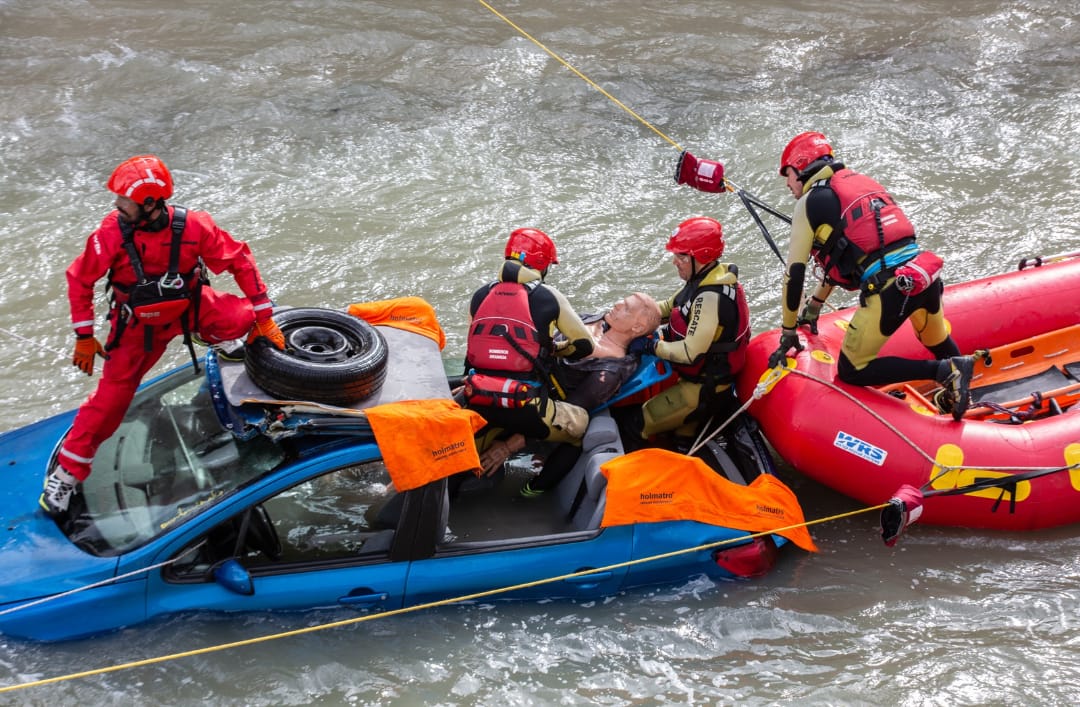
(232, 350)
(956, 393)
(943, 401)
(527, 491)
(59, 488)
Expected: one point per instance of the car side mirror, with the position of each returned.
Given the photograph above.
(233, 576)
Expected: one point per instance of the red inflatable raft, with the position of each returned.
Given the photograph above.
(1012, 463)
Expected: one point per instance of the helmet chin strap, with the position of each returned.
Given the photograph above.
(158, 222)
(695, 272)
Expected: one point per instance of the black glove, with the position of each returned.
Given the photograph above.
(789, 339)
(893, 520)
(642, 345)
(903, 509)
(810, 314)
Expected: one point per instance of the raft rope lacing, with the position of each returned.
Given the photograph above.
(944, 469)
(421, 607)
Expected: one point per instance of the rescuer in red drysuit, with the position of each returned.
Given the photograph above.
(174, 300)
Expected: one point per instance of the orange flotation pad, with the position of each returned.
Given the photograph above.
(652, 485)
(425, 440)
(409, 313)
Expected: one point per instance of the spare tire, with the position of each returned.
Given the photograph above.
(330, 357)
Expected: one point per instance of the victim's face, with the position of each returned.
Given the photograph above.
(635, 314)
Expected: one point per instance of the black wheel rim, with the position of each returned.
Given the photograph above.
(320, 344)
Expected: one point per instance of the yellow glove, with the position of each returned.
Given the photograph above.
(269, 329)
(86, 348)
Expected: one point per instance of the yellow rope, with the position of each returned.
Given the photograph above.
(580, 75)
(419, 607)
(468, 597)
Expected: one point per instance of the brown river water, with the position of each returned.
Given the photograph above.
(371, 149)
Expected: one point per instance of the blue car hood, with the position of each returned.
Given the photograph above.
(37, 559)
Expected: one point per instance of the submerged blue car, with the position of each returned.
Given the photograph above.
(207, 499)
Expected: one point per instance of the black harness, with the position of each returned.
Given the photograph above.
(173, 286)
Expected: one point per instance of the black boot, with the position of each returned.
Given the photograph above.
(955, 397)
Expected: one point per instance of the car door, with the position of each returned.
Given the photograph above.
(319, 543)
(527, 564)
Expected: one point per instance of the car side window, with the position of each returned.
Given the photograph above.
(330, 517)
(325, 521)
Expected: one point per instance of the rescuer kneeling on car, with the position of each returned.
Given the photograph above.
(512, 349)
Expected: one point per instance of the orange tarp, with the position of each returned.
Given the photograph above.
(410, 313)
(652, 485)
(425, 440)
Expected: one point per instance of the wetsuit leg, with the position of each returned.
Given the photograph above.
(565, 421)
(946, 349)
(557, 465)
(929, 323)
(883, 371)
(560, 421)
(717, 404)
(720, 404)
(526, 421)
(669, 409)
(878, 318)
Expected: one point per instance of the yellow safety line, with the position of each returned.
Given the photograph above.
(582, 76)
(468, 597)
(419, 607)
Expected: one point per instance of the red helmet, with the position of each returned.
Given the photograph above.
(702, 237)
(140, 178)
(803, 149)
(532, 247)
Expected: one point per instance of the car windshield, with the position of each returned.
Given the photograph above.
(170, 457)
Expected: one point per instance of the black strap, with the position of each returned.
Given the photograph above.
(1007, 484)
(877, 204)
(750, 202)
(578, 498)
(179, 220)
(127, 232)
